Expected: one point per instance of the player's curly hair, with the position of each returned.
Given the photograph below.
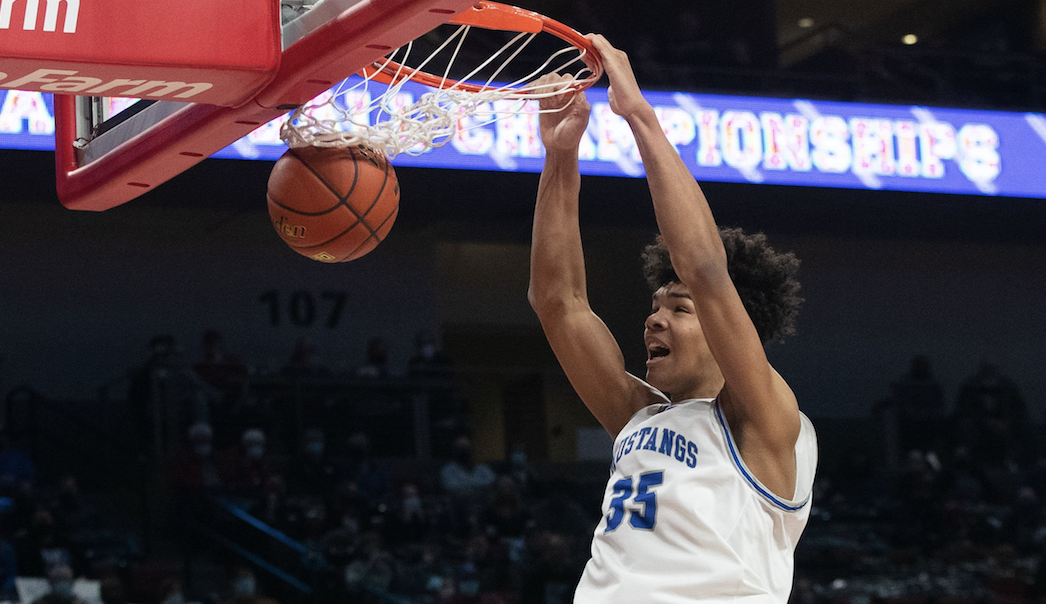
(765, 279)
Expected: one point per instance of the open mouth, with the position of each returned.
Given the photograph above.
(655, 352)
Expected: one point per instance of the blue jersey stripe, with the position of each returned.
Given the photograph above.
(744, 472)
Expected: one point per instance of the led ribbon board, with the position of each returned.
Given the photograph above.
(720, 138)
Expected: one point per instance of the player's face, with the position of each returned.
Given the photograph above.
(678, 359)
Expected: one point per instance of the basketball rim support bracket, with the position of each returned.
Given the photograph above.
(334, 40)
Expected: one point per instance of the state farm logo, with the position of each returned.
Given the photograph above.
(32, 7)
(67, 81)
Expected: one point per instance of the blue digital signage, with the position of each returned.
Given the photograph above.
(720, 138)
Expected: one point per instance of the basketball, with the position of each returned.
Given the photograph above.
(333, 204)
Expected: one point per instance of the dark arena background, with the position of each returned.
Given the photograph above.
(191, 409)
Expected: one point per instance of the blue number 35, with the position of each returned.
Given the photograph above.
(647, 517)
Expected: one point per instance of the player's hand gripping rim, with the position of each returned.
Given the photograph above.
(563, 117)
(625, 97)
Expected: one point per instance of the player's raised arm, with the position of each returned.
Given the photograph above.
(758, 402)
(585, 348)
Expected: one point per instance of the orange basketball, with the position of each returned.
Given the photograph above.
(333, 204)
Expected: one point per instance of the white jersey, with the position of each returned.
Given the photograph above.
(684, 520)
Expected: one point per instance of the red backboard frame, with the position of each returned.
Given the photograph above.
(334, 40)
(187, 51)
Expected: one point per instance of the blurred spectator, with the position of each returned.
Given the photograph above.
(377, 364)
(113, 591)
(60, 578)
(250, 466)
(857, 480)
(15, 465)
(373, 569)
(339, 545)
(462, 475)
(422, 571)
(195, 470)
(408, 522)
(367, 479)
(244, 588)
(25, 504)
(506, 519)
(552, 570)
(919, 401)
(143, 388)
(227, 375)
(171, 592)
(558, 512)
(307, 406)
(305, 361)
(274, 509)
(1026, 523)
(313, 471)
(8, 558)
(961, 482)
(218, 367)
(467, 582)
(244, 583)
(990, 417)
(165, 396)
(467, 485)
(521, 471)
(431, 367)
(803, 592)
(918, 492)
(428, 359)
(161, 351)
(488, 563)
(71, 512)
(42, 547)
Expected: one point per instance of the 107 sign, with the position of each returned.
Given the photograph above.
(302, 308)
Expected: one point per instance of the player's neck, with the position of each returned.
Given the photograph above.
(706, 389)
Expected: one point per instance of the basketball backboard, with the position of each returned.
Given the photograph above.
(98, 168)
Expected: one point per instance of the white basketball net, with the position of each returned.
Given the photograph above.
(383, 118)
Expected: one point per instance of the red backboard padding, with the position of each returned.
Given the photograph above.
(187, 134)
(220, 53)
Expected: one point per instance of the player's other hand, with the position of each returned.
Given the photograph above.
(625, 97)
(564, 117)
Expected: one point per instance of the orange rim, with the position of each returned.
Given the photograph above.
(496, 16)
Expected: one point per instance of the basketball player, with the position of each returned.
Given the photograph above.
(713, 462)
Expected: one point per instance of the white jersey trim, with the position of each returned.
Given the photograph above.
(788, 506)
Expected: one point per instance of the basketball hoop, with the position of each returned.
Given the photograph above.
(377, 112)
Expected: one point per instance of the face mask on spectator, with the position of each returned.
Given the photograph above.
(255, 451)
(314, 448)
(463, 455)
(202, 449)
(63, 589)
(519, 458)
(244, 586)
(412, 503)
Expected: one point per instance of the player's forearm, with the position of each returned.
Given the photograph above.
(557, 266)
(682, 212)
